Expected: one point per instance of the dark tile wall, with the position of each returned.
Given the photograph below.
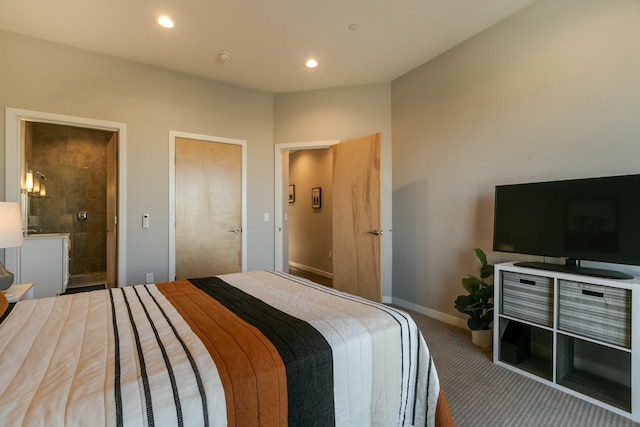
(73, 161)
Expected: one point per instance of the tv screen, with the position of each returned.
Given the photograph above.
(593, 219)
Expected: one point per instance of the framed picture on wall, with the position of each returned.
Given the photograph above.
(292, 193)
(316, 198)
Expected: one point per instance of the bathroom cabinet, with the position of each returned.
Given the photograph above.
(44, 261)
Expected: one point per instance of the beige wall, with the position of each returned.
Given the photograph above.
(51, 78)
(310, 229)
(343, 114)
(551, 93)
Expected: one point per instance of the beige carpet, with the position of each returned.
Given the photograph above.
(481, 393)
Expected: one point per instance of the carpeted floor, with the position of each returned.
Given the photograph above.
(481, 393)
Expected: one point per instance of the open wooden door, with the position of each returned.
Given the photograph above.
(208, 208)
(356, 217)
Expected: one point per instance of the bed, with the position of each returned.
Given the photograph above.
(258, 348)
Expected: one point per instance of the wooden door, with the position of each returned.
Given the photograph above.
(356, 217)
(208, 208)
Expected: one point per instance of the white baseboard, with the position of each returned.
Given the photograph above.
(452, 320)
(446, 318)
(311, 270)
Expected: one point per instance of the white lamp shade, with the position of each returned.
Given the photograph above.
(10, 225)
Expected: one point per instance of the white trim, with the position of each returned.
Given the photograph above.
(279, 222)
(14, 150)
(446, 318)
(173, 134)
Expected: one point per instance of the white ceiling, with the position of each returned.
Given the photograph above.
(268, 40)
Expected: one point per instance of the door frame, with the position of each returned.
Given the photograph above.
(281, 223)
(14, 160)
(173, 134)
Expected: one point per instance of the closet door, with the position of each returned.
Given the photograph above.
(208, 208)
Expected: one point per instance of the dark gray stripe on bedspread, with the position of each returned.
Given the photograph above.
(307, 356)
(409, 341)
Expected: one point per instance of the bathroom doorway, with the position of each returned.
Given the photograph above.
(72, 174)
(16, 191)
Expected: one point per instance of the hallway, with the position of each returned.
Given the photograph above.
(311, 276)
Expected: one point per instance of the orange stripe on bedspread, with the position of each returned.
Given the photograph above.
(251, 370)
(443, 413)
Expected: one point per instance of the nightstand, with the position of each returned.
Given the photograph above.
(19, 292)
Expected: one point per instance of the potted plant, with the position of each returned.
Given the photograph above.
(478, 303)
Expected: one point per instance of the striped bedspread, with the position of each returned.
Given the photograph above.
(247, 349)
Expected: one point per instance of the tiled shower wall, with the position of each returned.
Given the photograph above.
(73, 161)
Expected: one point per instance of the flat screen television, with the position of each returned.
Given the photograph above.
(592, 219)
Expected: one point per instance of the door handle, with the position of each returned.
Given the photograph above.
(376, 232)
(235, 230)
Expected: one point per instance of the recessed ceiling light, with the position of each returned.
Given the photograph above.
(165, 21)
(311, 63)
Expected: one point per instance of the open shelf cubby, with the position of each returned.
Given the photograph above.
(595, 370)
(528, 347)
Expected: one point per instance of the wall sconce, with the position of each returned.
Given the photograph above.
(34, 184)
(29, 182)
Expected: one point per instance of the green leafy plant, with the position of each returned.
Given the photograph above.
(478, 304)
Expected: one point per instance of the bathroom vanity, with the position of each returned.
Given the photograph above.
(44, 261)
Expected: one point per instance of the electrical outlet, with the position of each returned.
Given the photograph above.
(330, 254)
(149, 277)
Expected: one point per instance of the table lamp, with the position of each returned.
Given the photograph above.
(10, 236)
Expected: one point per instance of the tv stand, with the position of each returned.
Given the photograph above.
(574, 268)
(575, 333)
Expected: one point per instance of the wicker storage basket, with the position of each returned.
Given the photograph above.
(594, 311)
(527, 297)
